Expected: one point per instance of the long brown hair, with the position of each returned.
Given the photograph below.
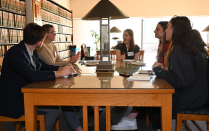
(161, 45)
(184, 36)
(132, 42)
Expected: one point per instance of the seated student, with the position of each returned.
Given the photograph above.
(164, 45)
(48, 52)
(128, 49)
(187, 58)
(22, 66)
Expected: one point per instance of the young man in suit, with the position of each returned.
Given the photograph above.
(21, 66)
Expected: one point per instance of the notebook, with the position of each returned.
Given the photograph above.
(139, 77)
(127, 60)
(139, 63)
(146, 72)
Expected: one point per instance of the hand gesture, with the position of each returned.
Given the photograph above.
(123, 57)
(74, 59)
(67, 70)
(156, 64)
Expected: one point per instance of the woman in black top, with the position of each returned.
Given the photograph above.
(187, 72)
(128, 49)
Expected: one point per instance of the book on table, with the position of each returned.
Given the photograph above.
(139, 77)
(145, 71)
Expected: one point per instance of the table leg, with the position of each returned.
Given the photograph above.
(166, 112)
(98, 55)
(85, 118)
(96, 118)
(30, 112)
(108, 118)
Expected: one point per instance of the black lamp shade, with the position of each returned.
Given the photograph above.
(104, 9)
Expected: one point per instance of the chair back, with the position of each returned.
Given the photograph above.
(141, 55)
(84, 51)
(207, 104)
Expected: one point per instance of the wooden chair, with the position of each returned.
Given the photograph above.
(141, 55)
(40, 118)
(85, 53)
(199, 114)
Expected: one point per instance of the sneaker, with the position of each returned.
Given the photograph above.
(125, 124)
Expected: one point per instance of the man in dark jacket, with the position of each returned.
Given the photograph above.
(21, 66)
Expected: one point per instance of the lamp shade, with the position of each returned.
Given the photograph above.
(206, 29)
(104, 9)
(114, 30)
(115, 38)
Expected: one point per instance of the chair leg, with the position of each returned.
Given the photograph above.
(147, 120)
(178, 122)
(195, 123)
(23, 129)
(207, 122)
(58, 124)
(18, 125)
(186, 126)
(42, 122)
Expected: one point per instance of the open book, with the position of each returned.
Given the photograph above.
(139, 77)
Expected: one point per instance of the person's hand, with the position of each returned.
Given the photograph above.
(122, 57)
(74, 59)
(64, 71)
(156, 64)
(60, 68)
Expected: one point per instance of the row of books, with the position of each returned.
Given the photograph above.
(46, 5)
(63, 38)
(10, 36)
(12, 20)
(60, 28)
(64, 54)
(62, 46)
(55, 18)
(16, 6)
(3, 49)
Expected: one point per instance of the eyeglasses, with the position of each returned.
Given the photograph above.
(54, 32)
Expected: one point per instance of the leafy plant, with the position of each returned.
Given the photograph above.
(96, 36)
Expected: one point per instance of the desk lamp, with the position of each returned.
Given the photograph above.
(207, 30)
(104, 10)
(114, 30)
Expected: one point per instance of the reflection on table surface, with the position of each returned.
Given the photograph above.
(88, 78)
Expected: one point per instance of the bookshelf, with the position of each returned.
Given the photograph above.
(12, 22)
(61, 18)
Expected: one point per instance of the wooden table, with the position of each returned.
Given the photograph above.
(112, 52)
(91, 90)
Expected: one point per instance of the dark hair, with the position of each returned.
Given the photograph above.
(47, 27)
(33, 33)
(161, 45)
(184, 36)
(132, 42)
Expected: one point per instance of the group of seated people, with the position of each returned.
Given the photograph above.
(181, 61)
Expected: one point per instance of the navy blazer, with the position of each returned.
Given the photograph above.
(17, 71)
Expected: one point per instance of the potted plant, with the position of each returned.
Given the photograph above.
(96, 36)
